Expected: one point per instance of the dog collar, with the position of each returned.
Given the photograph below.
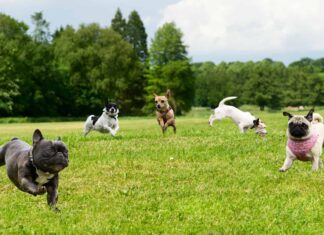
(113, 116)
(166, 111)
(301, 147)
(42, 177)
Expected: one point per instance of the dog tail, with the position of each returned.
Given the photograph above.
(226, 99)
(317, 118)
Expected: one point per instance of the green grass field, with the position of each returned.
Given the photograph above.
(200, 181)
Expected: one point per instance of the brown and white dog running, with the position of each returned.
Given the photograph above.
(164, 112)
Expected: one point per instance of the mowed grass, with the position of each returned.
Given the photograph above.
(200, 181)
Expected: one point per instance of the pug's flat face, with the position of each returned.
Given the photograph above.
(298, 125)
(50, 156)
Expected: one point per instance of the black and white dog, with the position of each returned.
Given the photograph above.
(106, 123)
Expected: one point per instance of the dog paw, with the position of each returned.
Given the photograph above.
(41, 190)
(282, 170)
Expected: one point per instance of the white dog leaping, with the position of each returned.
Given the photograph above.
(244, 120)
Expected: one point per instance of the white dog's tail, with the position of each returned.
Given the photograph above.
(317, 118)
(226, 99)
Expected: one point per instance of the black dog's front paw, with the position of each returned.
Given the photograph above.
(41, 190)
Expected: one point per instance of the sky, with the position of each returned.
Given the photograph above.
(213, 30)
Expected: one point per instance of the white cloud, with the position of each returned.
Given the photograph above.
(249, 26)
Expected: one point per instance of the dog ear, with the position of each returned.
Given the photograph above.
(168, 94)
(58, 138)
(287, 114)
(37, 136)
(309, 116)
(255, 123)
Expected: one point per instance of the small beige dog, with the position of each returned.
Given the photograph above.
(305, 139)
(164, 112)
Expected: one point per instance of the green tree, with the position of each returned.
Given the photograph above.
(170, 69)
(13, 43)
(41, 31)
(264, 86)
(100, 65)
(167, 45)
(118, 23)
(136, 35)
(42, 90)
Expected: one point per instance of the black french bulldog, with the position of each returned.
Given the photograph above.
(35, 169)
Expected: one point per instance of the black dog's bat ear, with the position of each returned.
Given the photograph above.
(58, 138)
(37, 136)
(309, 116)
(287, 114)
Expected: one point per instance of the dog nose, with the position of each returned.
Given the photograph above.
(158, 106)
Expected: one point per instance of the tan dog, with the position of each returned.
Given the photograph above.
(164, 112)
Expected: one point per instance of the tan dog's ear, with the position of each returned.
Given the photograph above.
(168, 94)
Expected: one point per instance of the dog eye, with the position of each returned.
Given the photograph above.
(155, 101)
(162, 101)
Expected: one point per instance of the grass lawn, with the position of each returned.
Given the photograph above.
(200, 181)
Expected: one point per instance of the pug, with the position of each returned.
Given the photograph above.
(305, 140)
(34, 169)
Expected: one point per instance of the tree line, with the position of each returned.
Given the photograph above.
(72, 71)
(265, 83)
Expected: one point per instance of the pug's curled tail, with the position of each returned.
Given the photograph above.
(317, 118)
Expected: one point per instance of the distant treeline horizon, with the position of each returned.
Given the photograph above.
(73, 71)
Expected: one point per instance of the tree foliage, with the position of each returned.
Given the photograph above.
(73, 71)
(167, 45)
(136, 35)
(100, 65)
(170, 68)
(13, 55)
(118, 23)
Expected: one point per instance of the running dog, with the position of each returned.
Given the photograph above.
(106, 123)
(164, 112)
(244, 120)
(305, 140)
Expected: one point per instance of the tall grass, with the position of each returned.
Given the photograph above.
(200, 181)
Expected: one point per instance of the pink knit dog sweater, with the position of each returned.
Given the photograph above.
(301, 147)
